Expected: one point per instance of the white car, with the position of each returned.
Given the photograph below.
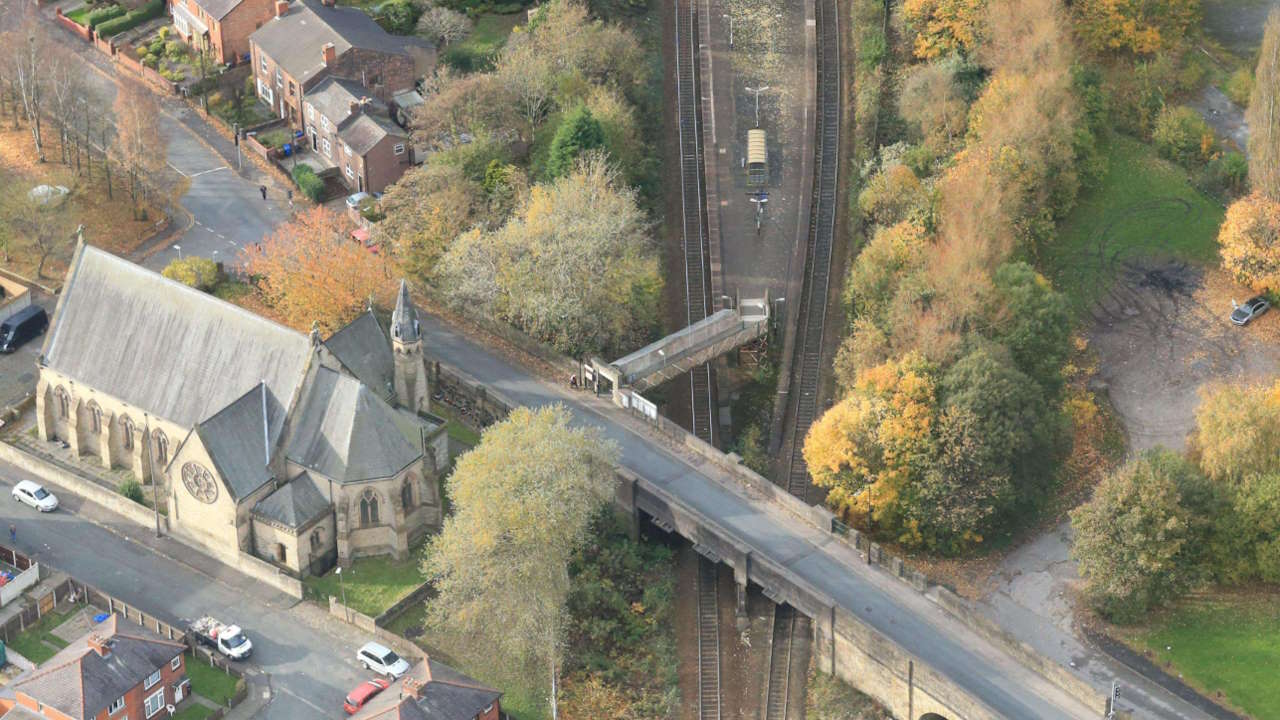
(35, 495)
(382, 660)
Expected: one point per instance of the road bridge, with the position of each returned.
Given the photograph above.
(871, 629)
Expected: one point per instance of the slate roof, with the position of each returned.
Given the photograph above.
(347, 432)
(363, 349)
(218, 9)
(361, 131)
(171, 350)
(404, 319)
(294, 41)
(293, 504)
(239, 439)
(21, 713)
(447, 695)
(80, 683)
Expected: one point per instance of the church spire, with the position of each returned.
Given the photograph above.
(404, 321)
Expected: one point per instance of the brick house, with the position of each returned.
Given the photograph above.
(434, 691)
(221, 26)
(355, 131)
(115, 671)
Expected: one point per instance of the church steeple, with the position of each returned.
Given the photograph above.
(404, 321)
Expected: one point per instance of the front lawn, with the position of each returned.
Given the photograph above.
(192, 711)
(210, 682)
(1144, 208)
(79, 16)
(1222, 644)
(33, 643)
(372, 584)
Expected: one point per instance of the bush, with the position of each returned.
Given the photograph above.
(399, 17)
(174, 49)
(156, 47)
(151, 61)
(131, 19)
(197, 272)
(1225, 177)
(1181, 135)
(132, 490)
(163, 33)
(1239, 86)
(104, 14)
(308, 182)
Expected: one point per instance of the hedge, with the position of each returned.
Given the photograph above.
(131, 19)
(308, 182)
(104, 14)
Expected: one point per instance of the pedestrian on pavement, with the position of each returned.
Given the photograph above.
(289, 193)
(263, 189)
(13, 533)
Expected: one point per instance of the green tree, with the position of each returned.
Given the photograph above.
(501, 563)
(578, 133)
(1137, 539)
(1031, 319)
(197, 272)
(1182, 135)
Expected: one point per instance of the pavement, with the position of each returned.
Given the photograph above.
(303, 661)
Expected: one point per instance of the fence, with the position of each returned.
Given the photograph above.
(19, 584)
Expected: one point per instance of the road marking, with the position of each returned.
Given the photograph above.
(175, 169)
(221, 236)
(206, 172)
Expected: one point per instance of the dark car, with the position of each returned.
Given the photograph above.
(1252, 308)
(24, 325)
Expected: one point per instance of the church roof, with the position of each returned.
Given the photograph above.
(363, 349)
(164, 347)
(293, 504)
(346, 432)
(239, 438)
(404, 320)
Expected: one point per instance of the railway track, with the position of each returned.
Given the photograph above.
(708, 642)
(693, 206)
(807, 363)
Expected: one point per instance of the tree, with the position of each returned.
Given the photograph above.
(892, 254)
(894, 194)
(139, 146)
(529, 78)
(943, 26)
(1263, 114)
(1249, 241)
(443, 26)
(1033, 320)
(931, 100)
(425, 210)
(1137, 539)
(197, 272)
(24, 54)
(1238, 431)
(310, 271)
(573, 267)
(500, 565)
(1181, 135)
(1140, 27)
(456, 104)
(43, 222)
(578, 132)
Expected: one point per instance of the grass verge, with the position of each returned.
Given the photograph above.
(1144, 208)
(372, 584)
(211, 682)
(1226, 646)
(192, 711)
(34, 642)
(830, 698)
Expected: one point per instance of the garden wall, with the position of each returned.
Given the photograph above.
(127, 60)
(72, 26)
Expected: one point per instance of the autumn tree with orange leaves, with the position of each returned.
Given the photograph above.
(1141, 27)
(310, 271)
(1249, 241)
(944, 26)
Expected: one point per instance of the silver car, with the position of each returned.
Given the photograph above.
(1252, 308)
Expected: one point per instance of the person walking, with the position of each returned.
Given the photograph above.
(13, 533)
(263, 189)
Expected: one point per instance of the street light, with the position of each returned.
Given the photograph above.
(346, 612)
(728, 17)
(757, 92)
(179, 249)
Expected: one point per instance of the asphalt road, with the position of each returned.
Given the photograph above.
(304, 666)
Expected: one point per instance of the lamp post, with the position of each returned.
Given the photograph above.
(756, 92)
(346, 612)
(728, 17)
(179, 249)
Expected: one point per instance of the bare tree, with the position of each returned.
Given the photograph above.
(66, 89)
(24, 55)
(43, 220)
(139, 146)
(443, 26)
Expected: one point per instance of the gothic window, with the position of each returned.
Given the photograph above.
(369, 509)
(316, 538)
(162, 446)
(126, 424)
(95, 417)
(64, 402)
(406, 493)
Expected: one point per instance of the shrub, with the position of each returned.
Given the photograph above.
(156, 46)
(151, 61)
(142, 51)
(132, 490)
(163, 33)
(175, 49)
(104, 14)
(1225, 176)
(197, 272)
(1239, 86)
(308, 182)
(399, 16)
(131, 19)
(1181, 135)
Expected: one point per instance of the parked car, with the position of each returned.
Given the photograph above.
(229, 640)
(1252, 308)
(24, 325)
(382, 660)
(35, 495)
(363, 693)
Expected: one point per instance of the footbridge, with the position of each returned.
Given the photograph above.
(871, 628)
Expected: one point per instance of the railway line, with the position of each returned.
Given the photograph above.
(708, 642)
(807, 364)
(790, 629)
(693, 203)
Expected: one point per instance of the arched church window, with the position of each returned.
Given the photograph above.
(369, 508)
(126, 426)
(162, 446)
(95, 417)
(316, 539)
(406, 493)
(64, 401)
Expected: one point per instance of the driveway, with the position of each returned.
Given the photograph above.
(303, 667)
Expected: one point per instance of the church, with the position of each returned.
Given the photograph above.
(300, 451)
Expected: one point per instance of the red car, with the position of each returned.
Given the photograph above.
(363, 693)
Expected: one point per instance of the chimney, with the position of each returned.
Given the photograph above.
(99, 644)
(329, 53)
(282, 8)
(356, 106)
(416, 680)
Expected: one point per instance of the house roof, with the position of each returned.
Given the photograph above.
(348, 433)
(175, 352)
(294, 504)
(239, 439)
(333, 97)
(218, 9)
(363, 349)
(446, 694)
(19, 712)
(294, 40)
(81, 683)
(361, 131)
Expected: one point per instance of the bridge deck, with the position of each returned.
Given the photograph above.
(982, 668)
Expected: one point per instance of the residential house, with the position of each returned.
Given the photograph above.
(117, 670)
(265, 441)
(222, 27)
(434, 691)
(356, 132)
